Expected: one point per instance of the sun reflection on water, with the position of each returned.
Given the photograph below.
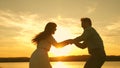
(60, 65)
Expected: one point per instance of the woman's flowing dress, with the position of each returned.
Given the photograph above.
(39, 58)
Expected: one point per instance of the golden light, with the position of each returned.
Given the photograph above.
(65, 51)
(60, 35)
(60, 65)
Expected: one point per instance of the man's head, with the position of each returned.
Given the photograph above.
(85, 22)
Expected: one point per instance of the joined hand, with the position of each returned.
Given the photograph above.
(69, 41)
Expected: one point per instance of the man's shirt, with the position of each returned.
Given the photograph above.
(91, 38)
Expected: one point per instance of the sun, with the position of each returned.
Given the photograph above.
(65, 51)
(61, 34)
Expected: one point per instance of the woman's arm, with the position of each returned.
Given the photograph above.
(63, 43)
(60, 44)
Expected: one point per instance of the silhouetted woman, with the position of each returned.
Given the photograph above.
(44, 40)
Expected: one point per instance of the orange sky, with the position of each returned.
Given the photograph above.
(21, 20)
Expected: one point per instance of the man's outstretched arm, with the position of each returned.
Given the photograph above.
(81, 45)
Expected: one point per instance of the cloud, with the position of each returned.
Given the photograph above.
(113, 27)
(109, 30)
(22, 26)
(18, 28)
(92, 7)
(14, 25)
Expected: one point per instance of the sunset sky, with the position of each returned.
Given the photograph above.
(21, 20)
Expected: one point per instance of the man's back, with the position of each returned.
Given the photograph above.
(94, 40)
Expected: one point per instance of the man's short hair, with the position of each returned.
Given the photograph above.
(87, 20)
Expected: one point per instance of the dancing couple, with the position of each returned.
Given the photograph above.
(91, 40)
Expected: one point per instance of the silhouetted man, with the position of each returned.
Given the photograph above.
(91, 40)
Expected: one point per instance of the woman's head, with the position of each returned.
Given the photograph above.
(50, 29)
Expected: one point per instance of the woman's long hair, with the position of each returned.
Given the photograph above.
(46, 33)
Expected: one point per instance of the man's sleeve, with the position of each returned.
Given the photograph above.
(86, 34)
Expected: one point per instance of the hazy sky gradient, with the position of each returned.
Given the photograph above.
(21, 20)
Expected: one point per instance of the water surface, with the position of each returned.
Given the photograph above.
(113, 64)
